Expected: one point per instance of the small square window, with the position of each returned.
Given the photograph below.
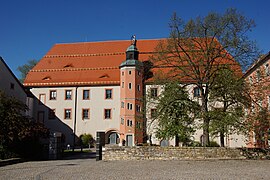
(85, 113)
(129, 106)
(129, 85)
(53, 95)
(107, 114)
(138, 87)
(67, 113)
(153, 92)
(197, 92)
(51, 113)
(68, 95)
(108, 94)
(129, 72)
(86, 94)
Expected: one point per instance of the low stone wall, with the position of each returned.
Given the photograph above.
(170, 153)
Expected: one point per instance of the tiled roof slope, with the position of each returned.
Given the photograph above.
(91, 63)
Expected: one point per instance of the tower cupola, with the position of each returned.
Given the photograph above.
(132, 52)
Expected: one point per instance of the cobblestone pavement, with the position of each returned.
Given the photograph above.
(90, 169)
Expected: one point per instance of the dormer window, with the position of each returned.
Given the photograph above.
(47, 78)
(68, 66)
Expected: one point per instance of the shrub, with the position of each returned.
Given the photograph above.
(87, 140)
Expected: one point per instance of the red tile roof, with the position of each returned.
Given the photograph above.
(91, 63)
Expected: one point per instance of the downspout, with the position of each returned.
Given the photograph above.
(75, 120)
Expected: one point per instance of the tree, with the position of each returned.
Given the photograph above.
(228, 96)
(175, 114)
(24, 69)
(87, 140)
(196, 50)
(18, 133)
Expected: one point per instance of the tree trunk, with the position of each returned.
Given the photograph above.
(206, 120)
(177, 140)
(222, 136)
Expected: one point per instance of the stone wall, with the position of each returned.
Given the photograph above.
(170, 153)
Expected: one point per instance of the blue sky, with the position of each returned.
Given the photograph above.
(29, 28)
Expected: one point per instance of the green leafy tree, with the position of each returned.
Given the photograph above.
(18, 133)
(228, 95)
(87, 140)
(195, 51)
(176, 114)
(24, 69)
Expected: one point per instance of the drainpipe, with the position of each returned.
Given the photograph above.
(75, 120)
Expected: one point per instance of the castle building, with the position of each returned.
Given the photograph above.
(258, 78)
(98, 86)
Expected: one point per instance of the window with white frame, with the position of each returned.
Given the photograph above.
(67, 113)
(153, 92)
(138, 108)
(86, 94)
(68, 95)
(129, 85)
(107, 114)
(197, 92)
(53, 95)
(108, 94)
(85, 114)
(129, 106)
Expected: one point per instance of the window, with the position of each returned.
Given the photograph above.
(138, 87)
(258, 75)
(85, 114)
(122, 73)
(42, 98)
(138, 108)
(68, 95)
(260, 105)
(153, 92)
(53, 95)
(86, 94)
(197, 92)
(108, 94)
(123, 84)
(40, 117)
(153, 113)
(122, 120)
(107, 114)
(129, 85)
(250, 80)
(67, 113)
(129, 72)
(12, 86)
(139, 73)
(51, 113)
(122, 104)
(129, 106)
(267, 71)
(129, 123)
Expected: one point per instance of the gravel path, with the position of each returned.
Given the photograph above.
(90, 169)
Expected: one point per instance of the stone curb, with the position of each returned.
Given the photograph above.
(10, 161)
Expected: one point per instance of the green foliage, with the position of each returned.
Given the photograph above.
(228, 93)
(213, 144)
(197, 49)
(18, 134)
(24, 69)
(175, 113)
(87, 140)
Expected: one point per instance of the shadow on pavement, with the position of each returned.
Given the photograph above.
(79, 155)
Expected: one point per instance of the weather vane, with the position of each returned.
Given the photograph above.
(133, 40)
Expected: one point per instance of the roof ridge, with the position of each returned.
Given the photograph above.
(82, 55)
(107, 41)
(74, 69)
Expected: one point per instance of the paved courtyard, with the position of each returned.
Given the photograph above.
(90, 169)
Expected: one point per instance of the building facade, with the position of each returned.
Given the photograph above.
(97, 86)
(258, 79)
